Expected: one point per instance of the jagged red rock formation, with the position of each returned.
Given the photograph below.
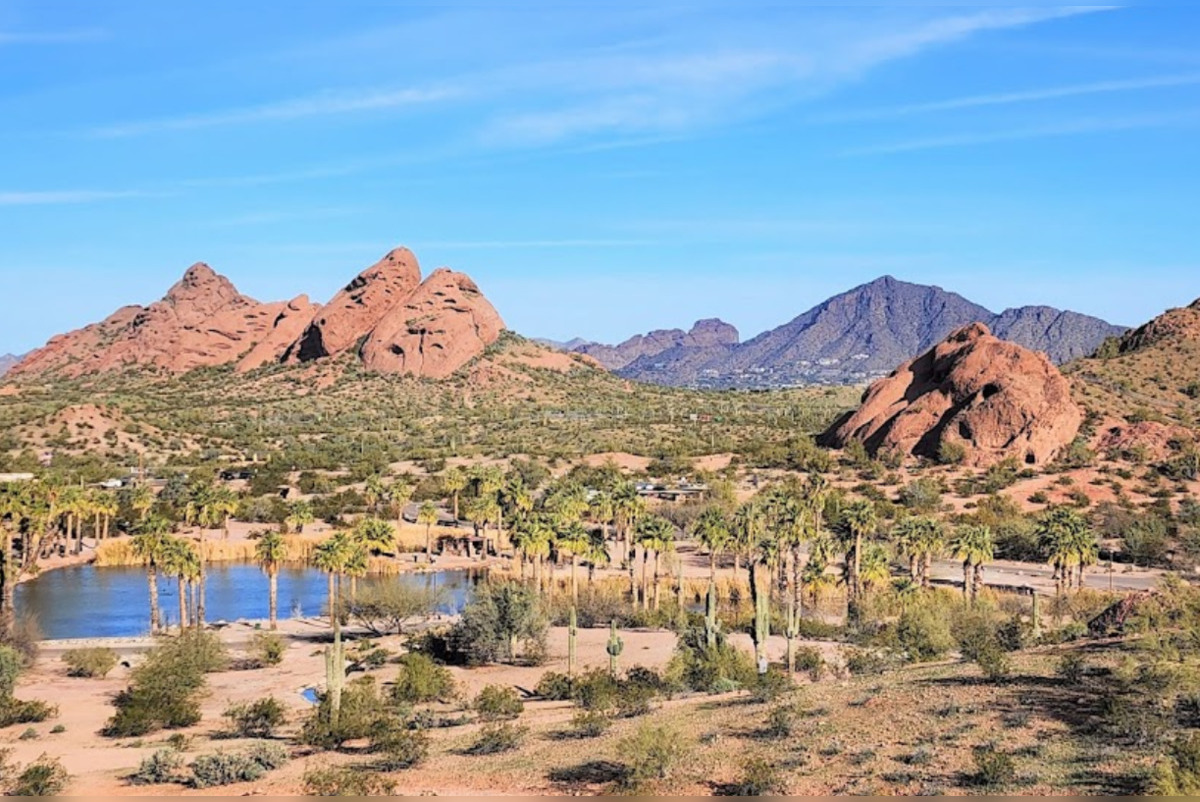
(202, 321)
(288, 326)
(386, 315)
(443, 325)
(355, 311)
(995, 399)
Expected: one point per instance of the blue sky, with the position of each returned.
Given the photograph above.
(599, 169)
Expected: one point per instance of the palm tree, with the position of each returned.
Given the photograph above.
(141, 500)
(149, 544)
(859, 521)
(374, 492)
(628, 507)
(180, 560)
(454, 481)
(331, 556)
(399, 494)
(358, 563)
(920, 539)
(711, 528)
(427, 516)
(975, 547)
(597, 553)
(224, 505)
(270, 551)
(655, 535)
(574, 540)
(105, 507)
(1068, 543)
(375, 534)
(300, 515)
(749, 526)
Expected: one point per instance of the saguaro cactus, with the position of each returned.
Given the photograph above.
(762, 618)
(711, 624)
(791, 633)
(614, 648)
(572, 634)
(335, 676)
(1037, 615)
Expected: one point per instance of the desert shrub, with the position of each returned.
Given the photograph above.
(759, 777)
(93, 663)
(43, 777)
(267, 649)
(396, 745)
(361, 707)
(16, 711)
(497, 703)
(220, 768)
(978, 640)
(952, 453)
(165, 690)
(422, 680)
(1178, 772)
(12, 663)
(771, 686)
(496, 738)
(504, 620)
(993, 767)
(652, 753)
(923, 634)
(590, 724)
(387, 607)
(1072, 667)
(783, 720)
(346, 781)
(25, 638)
(809, 660)
(554, 686)
(257, 719)
(164, 766)
(866, 662)
(699, 667)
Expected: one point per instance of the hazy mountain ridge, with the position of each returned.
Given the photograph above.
(864, 334)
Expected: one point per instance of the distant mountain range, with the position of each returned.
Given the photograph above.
(7, 361)
(857, 336)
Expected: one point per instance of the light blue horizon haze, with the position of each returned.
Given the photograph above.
(599, 169)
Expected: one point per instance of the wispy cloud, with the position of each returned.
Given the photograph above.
(322, 105)
(640, 96)
(1007, 98)
(1072, 128)
(51, 37)
(67, 196)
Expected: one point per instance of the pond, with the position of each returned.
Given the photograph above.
(90, 602)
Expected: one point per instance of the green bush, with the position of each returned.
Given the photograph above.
(268, 649)
(496, 703)
(590, 724)
(993, 768)
(257, 719)
(651, 753)
(220, 768)
(44, 777)
(361, 708)
(387, 607)
(422, 680)
(924, 634)
(496, 738)
(505, 621)
(699, 667)
(759, 778)
(12, 663)
(396, 745)
(783, 720)
(164, 766)
(1178, 772)
(15, 711)
(93, 663)
(554, 687)
(165, 690)
(771, 686)
(346, 781)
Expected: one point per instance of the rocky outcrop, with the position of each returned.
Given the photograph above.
(355, 311)
(290, 323)
(1174, 325)
(386, 316)
(705, 334)
(7, 362)
(202, 321)
(995, 399)
(444, 324)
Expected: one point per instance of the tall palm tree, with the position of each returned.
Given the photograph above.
(331, 556)
(179, 559)
(427, 516)
(454, 481)
(375, 535)
(712, 529)
(975, 546)
(749, 527)
(149, 545)
(574, 540)
(597, 553)
(1068, 543)
(374, 492)
(919, 538)
(270, 551)
(105, 506)
(859, 521)
(655, 535)
(300, 515)
(399, 493)
(140, 498)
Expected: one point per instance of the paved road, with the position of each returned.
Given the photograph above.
(1041, 577)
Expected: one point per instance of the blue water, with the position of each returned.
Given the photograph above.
(90, 602)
